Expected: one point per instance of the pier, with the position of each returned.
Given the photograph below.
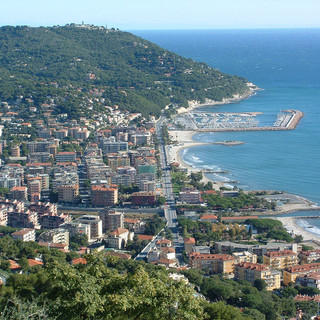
(214, 171)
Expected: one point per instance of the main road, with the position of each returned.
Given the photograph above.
(169, 209)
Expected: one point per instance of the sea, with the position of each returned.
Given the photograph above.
(285, 64)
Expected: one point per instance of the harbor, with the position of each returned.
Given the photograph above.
(230, 122)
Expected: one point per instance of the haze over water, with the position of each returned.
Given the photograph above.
(285, 63)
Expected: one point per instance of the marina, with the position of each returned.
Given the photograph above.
(246, 121)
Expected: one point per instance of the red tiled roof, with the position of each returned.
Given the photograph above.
(303, 268)
(282, 253)
(209, 217)
(168, 250)
(79, 261)
(21, 232)
(14, 265)
(32, 263)
(130, 220)
(119, 231)
(190, 240)
(145, 237)
(253, 266)
(164, 261)
(119, 254)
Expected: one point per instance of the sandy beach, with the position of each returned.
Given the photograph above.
(291, 225)
(184, 140)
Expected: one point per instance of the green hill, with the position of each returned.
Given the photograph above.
(76, 67)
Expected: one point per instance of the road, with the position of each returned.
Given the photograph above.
(170, 211)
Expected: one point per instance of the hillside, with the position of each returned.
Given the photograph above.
(81, 68)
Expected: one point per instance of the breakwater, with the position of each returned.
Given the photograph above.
(292, 122)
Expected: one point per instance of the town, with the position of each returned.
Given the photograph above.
(104, 186)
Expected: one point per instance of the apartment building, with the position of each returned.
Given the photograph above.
(20, 193)
(95, 225)
(281, 259)
(192, 196)
(24, 235)
(189, 243)
(111, 219)
(213, 263)
(291, 274)
(55, 236)
(311, 280)
(68, 193)
(245, 256)
(309, 256)
(102, 196)
(67, 156)
(252, 271)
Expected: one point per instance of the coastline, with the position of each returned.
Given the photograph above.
(184, 139)
(194, 104)
(291, 225)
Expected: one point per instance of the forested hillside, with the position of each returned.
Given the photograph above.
(76, 66)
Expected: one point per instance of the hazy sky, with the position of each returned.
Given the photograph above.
(164, 14)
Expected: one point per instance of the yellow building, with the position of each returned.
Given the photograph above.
(281, 259)
(213, 263)
(245, 256)
(290, 274)
(252, 271)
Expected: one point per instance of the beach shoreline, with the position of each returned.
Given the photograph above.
(293, 228)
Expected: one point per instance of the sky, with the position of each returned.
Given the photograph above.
(164, 14)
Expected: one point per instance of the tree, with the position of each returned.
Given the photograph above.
(260, 284)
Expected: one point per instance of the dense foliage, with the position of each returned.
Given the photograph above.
(74, 67)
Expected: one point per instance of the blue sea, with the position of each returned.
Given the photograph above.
(285, 63)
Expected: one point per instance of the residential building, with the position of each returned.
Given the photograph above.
(212, 263)
(291, 274)
(95, 225)
(111, 219)
(189, 243)
(252, 271)
(23, 219)
(55, 236)
(143, 198)
(119, 238)
(15, 151)
(190, 196)
(53, 221)
(245, 256)
(280, 259)
(102, 196)
(68, 193)
(309, 256)
(109, 145)
(311, 280)
(20, 193)
(76, 228)
(66, 156)
(24, 235)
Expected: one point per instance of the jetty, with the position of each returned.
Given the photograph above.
(214, 171)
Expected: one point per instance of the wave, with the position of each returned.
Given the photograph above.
(308, 227)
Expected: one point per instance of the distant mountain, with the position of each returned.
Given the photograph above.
(80, 69)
